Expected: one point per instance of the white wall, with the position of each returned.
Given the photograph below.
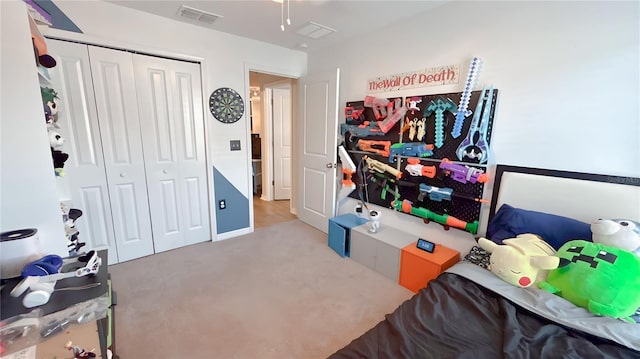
(28, 193)
(568, 73)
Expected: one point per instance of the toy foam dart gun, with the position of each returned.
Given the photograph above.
(395, 115)
(385, 184)
(378, 105)
(414, 149)
(444, 219)
(348, 169)
(416, 169)
(353, 114)
(377, 166)
(368, 145)
(438, 194)
(365, 130)
(462, 173)
(478, 149)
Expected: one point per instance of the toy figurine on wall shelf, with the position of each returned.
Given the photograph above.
(50, 104)
(412, 103)
(79, 353)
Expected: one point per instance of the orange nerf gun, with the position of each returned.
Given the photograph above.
(368, 145)
(416, 169)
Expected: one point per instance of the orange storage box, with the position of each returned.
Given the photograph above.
(418, 267)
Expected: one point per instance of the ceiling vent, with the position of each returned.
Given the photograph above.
(198, 15)
(313, 30)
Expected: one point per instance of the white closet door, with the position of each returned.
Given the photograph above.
(171, 116)
(114, 86)
(85, 169)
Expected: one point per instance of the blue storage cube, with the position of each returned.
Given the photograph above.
(340, 232)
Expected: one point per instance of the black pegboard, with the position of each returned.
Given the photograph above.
(408, 186)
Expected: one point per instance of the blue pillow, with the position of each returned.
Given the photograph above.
(555, 230)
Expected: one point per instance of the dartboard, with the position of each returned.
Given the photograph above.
(226, 105)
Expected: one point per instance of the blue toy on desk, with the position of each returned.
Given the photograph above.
(46, 265)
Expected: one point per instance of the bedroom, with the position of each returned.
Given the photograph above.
(555, 76)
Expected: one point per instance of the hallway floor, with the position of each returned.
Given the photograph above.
(268, 213)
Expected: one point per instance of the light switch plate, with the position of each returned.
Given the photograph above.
(234, 145)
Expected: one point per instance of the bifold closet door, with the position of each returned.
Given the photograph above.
(171, 117)
(115, 93)
(78, 122)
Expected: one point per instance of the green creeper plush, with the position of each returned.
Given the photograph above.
(605, 280)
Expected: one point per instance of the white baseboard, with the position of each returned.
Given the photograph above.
(233, 234)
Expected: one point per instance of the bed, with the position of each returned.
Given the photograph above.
(468, 312)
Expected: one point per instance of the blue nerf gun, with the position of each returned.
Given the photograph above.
(410, 149)
(368, 128)
(438, 194)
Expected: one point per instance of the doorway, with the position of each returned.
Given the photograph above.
(271, 121)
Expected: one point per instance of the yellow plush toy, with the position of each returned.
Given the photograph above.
(521, 261)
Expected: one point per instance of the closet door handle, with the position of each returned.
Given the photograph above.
(123, 175)
(165, 171)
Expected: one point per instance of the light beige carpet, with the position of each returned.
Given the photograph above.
(279, 292)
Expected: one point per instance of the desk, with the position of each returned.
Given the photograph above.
(257, 174)
(89, 335)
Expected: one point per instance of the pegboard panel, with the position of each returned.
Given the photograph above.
(429, 120)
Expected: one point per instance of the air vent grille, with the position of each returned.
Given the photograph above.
(314, 30)
(198, 15)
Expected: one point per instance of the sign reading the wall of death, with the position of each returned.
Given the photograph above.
(433, 76)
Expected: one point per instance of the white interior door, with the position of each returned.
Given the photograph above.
(281, 109)
(171, 116)
(319, 116)
(115, 93)
(85, 169)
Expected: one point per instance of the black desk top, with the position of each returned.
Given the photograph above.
(59, 299)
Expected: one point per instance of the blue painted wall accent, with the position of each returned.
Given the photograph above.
(58, 19)
(236, 215)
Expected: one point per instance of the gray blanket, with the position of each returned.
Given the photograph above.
(455, 317)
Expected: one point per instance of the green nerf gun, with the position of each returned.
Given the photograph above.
(443, 219)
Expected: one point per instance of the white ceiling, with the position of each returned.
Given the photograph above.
(261, 19)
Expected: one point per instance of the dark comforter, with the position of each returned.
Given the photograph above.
(456, 318)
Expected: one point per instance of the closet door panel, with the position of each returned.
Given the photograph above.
(85, 169)
(153, 83)
(117, 107)
(173, 135)
(191, 152)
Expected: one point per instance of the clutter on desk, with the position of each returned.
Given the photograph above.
(43, 274)
(25, 330)
(79, 353)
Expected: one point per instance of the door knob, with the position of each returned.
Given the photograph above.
(123, 174)
(332, 165)
(165, 171)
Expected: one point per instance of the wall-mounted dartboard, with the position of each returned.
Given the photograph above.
(226, 105)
